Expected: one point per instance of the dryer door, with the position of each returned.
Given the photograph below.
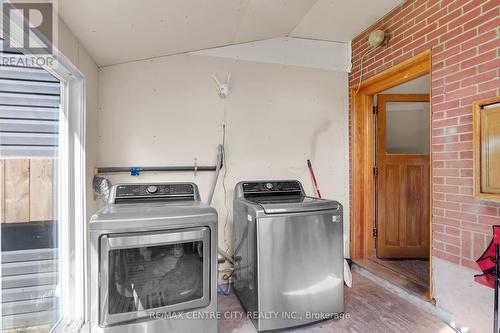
(156, 272)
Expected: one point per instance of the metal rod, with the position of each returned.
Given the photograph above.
(102, 170)
(495, 312)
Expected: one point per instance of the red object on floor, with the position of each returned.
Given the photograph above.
(487, 262)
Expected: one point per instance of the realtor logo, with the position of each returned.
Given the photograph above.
(28, 26)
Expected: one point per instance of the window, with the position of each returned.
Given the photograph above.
(486, 138)
(42, 197)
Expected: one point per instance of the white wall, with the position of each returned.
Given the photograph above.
(166, 111)
(76, 53)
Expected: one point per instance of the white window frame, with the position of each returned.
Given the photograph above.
(71, 195)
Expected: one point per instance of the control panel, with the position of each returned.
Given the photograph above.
(154, 192)
(282, 187)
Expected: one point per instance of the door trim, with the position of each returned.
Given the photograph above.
(363, 151)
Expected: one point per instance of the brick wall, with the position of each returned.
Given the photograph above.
(464, 38)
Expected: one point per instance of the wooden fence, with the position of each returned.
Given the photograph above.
(29, 276)
(27, 189)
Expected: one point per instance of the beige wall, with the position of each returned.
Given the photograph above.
(167, 111)
(76, 53)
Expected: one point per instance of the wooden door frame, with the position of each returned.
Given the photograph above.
(362, 150)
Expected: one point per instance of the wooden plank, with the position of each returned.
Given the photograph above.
(41, 190)
(17, 188)
(2, 191)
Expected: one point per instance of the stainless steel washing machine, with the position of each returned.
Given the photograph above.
(153, 261)
(288, 254)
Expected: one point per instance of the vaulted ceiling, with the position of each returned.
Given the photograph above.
(116, 31)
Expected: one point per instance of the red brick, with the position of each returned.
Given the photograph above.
(495, 43)
(460, 198)
(468, 91)
(459, 164)
(480, 210)
(461, 75)
(458, 181)
(446, 205)
(476, 227)
(461, 216)
(466, 244)
(446, 172)
(445, 189)
(460, 39)
(445, 139)
(466, 173)
(445, 156)
(450, 17)
(491, 25)
(461, 57)
(446, 256)
(446, 238)
(473, 4)
(445, 123)
(490, 4)
(458, 146)
(466, 155)
(481, 39)
(479, 244)
(466, 137)
(463, 36)
(489, 220)
(458, 129)
(479, 60)
(452, 249)
(481, 19)
(494, 84)
(483, 77)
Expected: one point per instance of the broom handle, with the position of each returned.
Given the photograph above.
(313, 178)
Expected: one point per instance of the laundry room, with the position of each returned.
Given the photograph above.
(249, 166)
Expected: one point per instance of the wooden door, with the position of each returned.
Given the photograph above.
(403, 150)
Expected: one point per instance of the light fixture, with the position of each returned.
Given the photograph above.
(376, 38)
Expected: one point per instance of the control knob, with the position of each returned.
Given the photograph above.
(152, 189)
(269, 186)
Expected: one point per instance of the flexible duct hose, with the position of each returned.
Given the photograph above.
(220, 152)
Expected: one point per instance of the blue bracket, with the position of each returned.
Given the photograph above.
(135, 171)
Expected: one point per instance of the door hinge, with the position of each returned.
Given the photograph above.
(375, 171)
(375, 232)
(375, 109)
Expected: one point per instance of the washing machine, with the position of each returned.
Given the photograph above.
(153, 261)
(288, 254)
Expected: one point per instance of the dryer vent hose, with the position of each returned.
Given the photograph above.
(102, 188)
(220, 154)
